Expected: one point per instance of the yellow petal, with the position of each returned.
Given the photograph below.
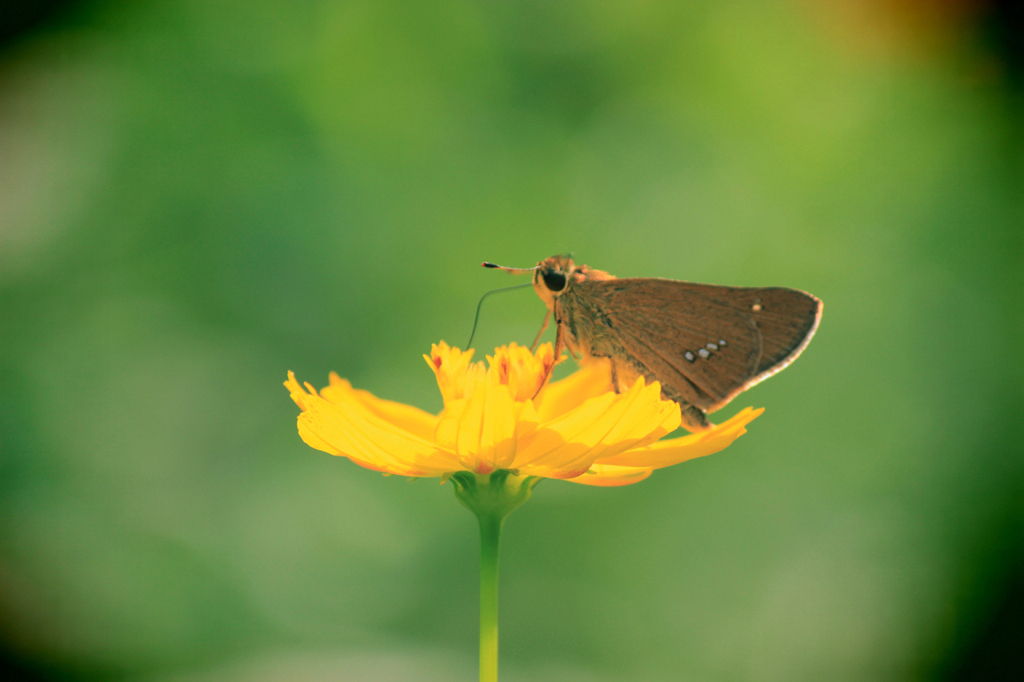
(602, 427)
(446, 435)
(412, 419)
(559, 397)
(487, 427)
(480, 428)
(526, 421)
(522, 371)
(449, 366)
(315, 442)
(608, 475)
(668, 452)
(562, 440)
(295, 391)
(645, 419)
(346, 427)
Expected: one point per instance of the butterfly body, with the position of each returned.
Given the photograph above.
(704, 343)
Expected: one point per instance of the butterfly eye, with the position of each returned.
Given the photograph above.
(554, 280)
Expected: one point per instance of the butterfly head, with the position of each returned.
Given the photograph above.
(552, 277)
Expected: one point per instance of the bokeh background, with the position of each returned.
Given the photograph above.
(196, 197)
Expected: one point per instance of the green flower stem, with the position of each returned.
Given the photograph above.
(490, 535)
(491, 498)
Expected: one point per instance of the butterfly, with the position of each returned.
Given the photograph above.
(703, 343)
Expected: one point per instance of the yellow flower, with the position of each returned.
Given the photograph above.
(501, 416)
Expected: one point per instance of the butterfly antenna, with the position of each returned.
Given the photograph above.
(478, 306)
(511, 271)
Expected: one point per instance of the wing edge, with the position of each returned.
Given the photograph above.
(782, 364)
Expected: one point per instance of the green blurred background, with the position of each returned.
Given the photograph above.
(196, 197)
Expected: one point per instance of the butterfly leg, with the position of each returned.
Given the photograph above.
(694, 418)
(543, 328)
(554, 361)
(615, 378)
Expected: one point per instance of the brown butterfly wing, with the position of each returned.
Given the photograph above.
(674, 332)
